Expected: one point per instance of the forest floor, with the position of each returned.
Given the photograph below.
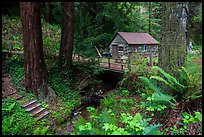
(7, 87)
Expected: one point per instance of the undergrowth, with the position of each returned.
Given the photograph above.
(16, 121)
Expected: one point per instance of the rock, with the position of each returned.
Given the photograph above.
(84, 83)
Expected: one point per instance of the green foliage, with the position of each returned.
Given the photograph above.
(61, 81)
(169, 79)
(192, 83)
(11, 33)
(188, 86)
(139, 125)
(140, 64)
(16, 69)
(85, 129)
(18, 121)
(191, 64)
(105, 123)
(155, 98)
(125, 92)
(9, 109)
(114, 130)
(106, 116)
(126, 104)
(93, 112)
(51, 45)
(109, 101)
(187, 120)
(39, 131)
(96, 26)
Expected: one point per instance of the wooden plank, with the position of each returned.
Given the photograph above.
(98, 52)
(108, 62)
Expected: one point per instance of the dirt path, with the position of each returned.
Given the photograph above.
(8, 90)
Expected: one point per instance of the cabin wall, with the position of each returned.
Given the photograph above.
(140, 49)
(120, 42)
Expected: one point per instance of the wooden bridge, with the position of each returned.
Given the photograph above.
(117, 65)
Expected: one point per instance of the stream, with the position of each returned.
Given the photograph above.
(109, 83)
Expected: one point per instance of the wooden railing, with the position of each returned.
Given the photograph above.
(114, 64)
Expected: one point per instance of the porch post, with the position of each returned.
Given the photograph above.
(108, 62)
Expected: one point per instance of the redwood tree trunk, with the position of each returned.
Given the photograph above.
(35, 68)
(66, 45)
(172, 51)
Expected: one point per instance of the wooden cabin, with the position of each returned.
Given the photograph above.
(125, 43)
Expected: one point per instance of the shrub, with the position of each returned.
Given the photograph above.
(136, 125)
(188, 86)
(155, 98)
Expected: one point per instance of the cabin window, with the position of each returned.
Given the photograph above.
(120, 48)
(145, 48)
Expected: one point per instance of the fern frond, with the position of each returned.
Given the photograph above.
(184, 77)
(158, 78)
(152, 130)
(158, 96)
(150, 84)
(172, 82)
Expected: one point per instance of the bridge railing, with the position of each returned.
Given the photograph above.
(110, 63)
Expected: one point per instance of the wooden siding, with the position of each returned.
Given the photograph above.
(118, 40)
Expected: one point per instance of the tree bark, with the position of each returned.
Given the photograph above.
(172, 51)
(66, 45)
(35, 68)
(149, 17)
(48, 12)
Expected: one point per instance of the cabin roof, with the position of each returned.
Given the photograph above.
(137, 38)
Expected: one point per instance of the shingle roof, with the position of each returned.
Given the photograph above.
(137, 38)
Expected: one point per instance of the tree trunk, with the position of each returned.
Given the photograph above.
(190, 23)
(172, 51)
(48, 12)
(66, 46)
(35, 68)
(149, 17)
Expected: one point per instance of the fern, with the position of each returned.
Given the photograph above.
(39, 131)
(150, 84)
(188, 85)
(152, 130)
(192, 84)
(158, 78)
(164, 98)
(36, 131)
(157, 97)
(171, 80)
(10, 108)
(44, 130)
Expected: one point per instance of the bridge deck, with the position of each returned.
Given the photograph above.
(118, 65)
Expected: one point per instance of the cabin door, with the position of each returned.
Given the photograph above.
(114, 51)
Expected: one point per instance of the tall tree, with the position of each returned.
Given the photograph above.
(149, 16)
(172, 51)
(48, 11)
(195, 22)
(66, 45)
(35, 68)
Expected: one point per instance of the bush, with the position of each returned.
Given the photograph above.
(106, 124)
(187, 86)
